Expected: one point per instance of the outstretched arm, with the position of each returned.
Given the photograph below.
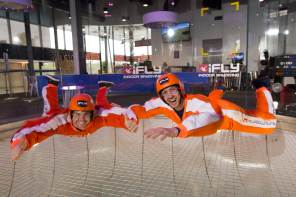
(33, 132)
(195, 125)
(116, 117)
(153, 107)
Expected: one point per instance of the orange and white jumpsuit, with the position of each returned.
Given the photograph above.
(205, 115)
(50, 100)
(101, 99)
(35, 131)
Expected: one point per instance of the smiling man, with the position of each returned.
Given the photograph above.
(199, 115)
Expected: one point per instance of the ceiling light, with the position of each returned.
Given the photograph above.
(173, 3)
(272, 32)
(286, 32)
(145, 5)
(106, 11)
(171, 32)
(16, 39)
(110, 4)
(124, 18)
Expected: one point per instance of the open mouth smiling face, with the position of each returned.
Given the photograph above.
(171, 96)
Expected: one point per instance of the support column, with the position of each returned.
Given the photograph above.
(39, 26)
(124, 39)
(29, 44)
(131, 41)
(100, 53)
(8, 27)
(56, 47)
(78, 52)
(113, 66)
(106, 50)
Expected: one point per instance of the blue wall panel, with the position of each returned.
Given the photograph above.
(124, 84)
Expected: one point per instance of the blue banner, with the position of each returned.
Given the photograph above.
(124, 83)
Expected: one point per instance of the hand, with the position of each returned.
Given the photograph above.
(130, 124)
(161, 131)
(18, 148)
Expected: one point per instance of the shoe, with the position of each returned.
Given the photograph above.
(106, 84)
(51, 79)
(261, 82)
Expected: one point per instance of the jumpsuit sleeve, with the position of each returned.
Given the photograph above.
(199, 125)
(216, 94)
(35, 137)
(38, 130)
(110, 120)
(153, 107)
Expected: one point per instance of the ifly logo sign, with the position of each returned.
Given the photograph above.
(144, 70)
(220, 68)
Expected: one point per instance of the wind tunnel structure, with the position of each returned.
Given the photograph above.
(113, 162)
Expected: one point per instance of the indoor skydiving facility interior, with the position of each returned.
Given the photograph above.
(148, 98)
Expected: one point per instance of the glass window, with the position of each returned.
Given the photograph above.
(46, 16)
(92, 43)
(34, 15)
(47, 27)
(62, 20)
(48, 37)
(2, 14)
(35, 37)
(4, 37)
(60, 33)
(68, 37)
(18, 33)
(17, 16)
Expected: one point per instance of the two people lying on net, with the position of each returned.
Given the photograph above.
(194, 115)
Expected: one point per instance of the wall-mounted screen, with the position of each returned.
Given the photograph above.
(176, 33)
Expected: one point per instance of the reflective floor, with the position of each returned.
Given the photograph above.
(116, 163)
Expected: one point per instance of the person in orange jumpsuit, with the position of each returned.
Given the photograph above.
(50, 96)
(198, 115)
(79, 119)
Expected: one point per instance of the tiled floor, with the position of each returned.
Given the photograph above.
(116, 163)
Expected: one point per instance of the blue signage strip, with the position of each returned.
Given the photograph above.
(123, 83)
(287, 63)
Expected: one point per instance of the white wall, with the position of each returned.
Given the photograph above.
(232, 29)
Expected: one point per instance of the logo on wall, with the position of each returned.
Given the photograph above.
(204, 68)
(223, 70)
(145, 70)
